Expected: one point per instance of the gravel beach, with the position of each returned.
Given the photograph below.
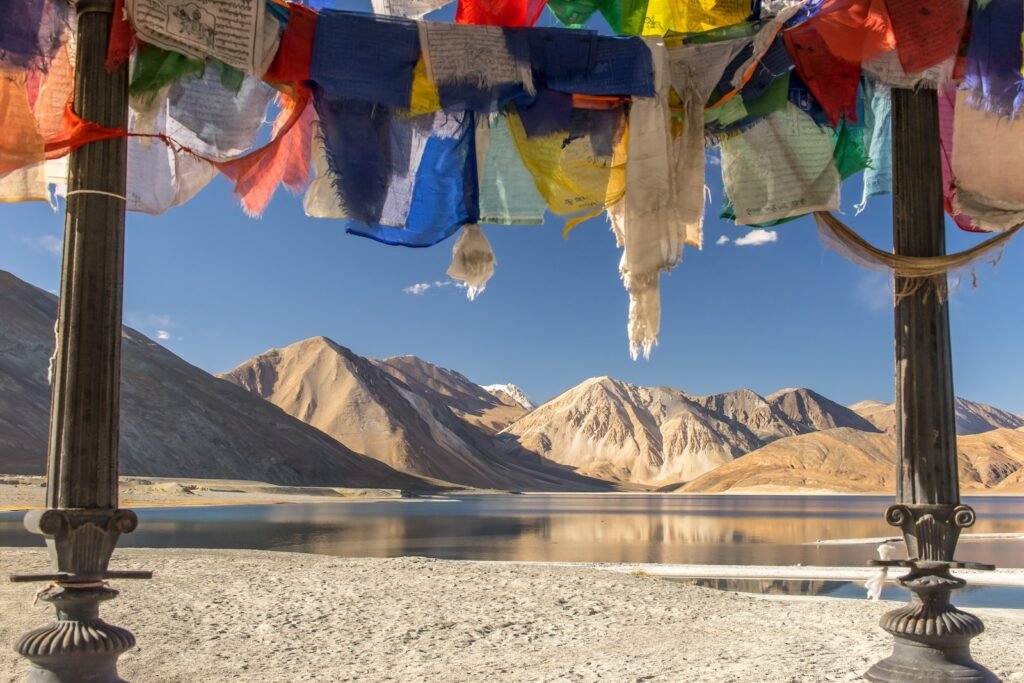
(271, 617)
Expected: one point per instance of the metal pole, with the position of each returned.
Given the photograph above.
(81, 522)
(931, 637)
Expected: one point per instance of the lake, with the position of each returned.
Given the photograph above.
(660, 528)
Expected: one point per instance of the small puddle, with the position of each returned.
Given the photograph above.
(1005, 597)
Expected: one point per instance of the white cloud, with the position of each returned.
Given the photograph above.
(722, 240)
(757, 237)
(417, 288)
(50, 243)
(421, 287)
(163, 335)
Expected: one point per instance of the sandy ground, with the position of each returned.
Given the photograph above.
(218, 616)
(22, 492)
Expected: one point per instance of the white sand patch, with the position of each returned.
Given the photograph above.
(273, 617)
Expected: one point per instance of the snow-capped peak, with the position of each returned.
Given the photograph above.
(512, 392)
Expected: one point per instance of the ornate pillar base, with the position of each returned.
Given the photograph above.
(78, 647)
(931, 636)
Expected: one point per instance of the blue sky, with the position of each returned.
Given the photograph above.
(221, 287)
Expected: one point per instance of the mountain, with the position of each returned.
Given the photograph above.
(971, 417)
(475, 404)
(993, 459)
(880, 414)
(815, 413)
(652, 436)
(840, 459)
(852, 461)
(510, 394)
(177, 421)
(397, 412)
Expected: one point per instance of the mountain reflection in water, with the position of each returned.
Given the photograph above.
(661, 528)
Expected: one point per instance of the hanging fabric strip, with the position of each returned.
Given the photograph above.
(403, 181)
(994, 56)
(409, 9)
(239, 33)
(828, 50)
(780, 167)
(365, 57)
(927, 32)
(27, 184)
(649, 222)
(988, 163)
(508, 195)
(473, 261)
(625, 17)
(160, 176)
(887, 70)
(947, 105)
(154, 70)
(31, 32)
(21, 144)
(295, 55)
(472, 65)
(557, 54)
(693, 16)
(621, 66)
(213, 121)
(285, 160)
(499, 12)
(579, 171)
(122, 37)
(877, 140)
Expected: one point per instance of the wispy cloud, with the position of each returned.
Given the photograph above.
(50, 243)
(417, 289)
(757, 237)
(874, 292)
(422, 287)
(157, 325)
(722, 240)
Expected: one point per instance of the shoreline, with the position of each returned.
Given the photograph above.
(276, 616)
(23, 493)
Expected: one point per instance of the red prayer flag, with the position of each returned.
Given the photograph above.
(292, 61)
(927, 32)
(121, 38)
(499, 12)
(832, 81)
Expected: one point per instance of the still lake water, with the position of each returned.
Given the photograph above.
(660, 528)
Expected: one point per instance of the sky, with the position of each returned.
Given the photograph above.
(754, 309)
(761, 310)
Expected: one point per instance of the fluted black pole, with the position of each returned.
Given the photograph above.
(82, 521)
(931, 637)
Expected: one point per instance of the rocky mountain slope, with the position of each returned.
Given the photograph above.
(852, 461)
(177, 421)
(480, 406)
(657, 436)
(814, 412)
(971, 417)
(510, 394)
(397, 411)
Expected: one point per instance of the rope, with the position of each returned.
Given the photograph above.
(99, 192)
(915, 271)
(68, 584)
